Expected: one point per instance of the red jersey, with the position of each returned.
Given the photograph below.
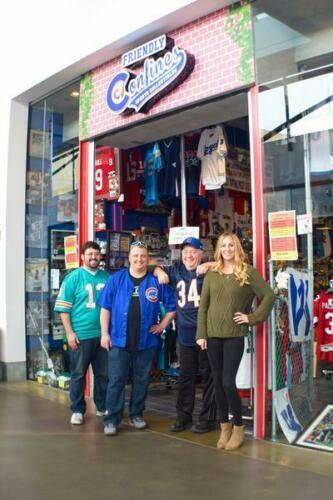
(107, 184)
(132, 170)
(323, 323)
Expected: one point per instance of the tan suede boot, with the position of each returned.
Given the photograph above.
(226, 430)
(237, 438)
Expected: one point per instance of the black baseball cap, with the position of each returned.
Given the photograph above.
(192, 242)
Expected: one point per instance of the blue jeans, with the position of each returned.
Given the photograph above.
(120, 361)
(88, 352)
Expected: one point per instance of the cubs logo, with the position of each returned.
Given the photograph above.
(152, 294)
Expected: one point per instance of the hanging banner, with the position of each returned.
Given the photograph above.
(282, 235)
(71, 252)
(299, 305)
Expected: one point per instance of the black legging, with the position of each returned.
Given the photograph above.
(225, 355)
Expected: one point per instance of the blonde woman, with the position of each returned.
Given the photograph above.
(227, 295)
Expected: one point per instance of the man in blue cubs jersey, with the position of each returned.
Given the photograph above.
(187, 284)
(77, 305)
(130, 313)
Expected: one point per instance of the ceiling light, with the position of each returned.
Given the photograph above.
(75, 94)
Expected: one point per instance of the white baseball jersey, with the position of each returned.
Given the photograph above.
(212, 151)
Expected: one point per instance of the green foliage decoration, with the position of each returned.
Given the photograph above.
(87, 95)
(239, 28)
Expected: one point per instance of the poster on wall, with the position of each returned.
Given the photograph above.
(37, 187)
(36, 231)
(39, 144)
(36, 275)
(37, 317)
(319, 434)
(282, 235)
(67, 208)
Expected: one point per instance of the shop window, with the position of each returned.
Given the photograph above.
(51, 214)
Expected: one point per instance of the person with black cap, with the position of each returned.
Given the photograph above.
(187, 283)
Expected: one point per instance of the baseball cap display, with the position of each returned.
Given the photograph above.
(192, 242)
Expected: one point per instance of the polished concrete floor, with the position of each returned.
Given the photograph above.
(43, 457)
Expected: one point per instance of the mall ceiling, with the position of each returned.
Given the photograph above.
(304, 16)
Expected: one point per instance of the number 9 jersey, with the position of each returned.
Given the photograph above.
(187, 286)
(78, 297)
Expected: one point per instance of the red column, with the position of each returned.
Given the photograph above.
(259, 253)
(83, 193)
(83, 202)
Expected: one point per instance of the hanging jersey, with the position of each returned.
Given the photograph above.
(192, 165)
(212, 152)
(169, 176)
(78, 296)
(153, 163)
(323, 323)
(132, 171)
(187, 286)
(105, 173)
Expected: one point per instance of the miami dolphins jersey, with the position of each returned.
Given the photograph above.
(78, 296)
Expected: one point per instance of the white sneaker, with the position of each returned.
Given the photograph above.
(138, 423)
(110, 429)
(77, 419)
(101, 413)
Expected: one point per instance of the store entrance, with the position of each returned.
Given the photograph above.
(151, 178)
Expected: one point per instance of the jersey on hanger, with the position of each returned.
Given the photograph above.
(323, 323)
(169, 176)
(153, 163)
(192, 164)
(132, 170)
(212, 151)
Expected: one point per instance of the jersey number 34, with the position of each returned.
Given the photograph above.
(192, 295)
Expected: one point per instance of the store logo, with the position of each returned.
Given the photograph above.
(139, 92)
(152, 294)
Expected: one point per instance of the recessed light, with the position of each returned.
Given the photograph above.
(75, 94)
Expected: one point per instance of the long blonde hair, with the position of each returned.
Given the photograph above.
(241, 265)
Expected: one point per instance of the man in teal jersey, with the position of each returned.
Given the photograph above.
(77, 305)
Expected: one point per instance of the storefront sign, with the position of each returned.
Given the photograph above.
(178, 234)
(139, 92)
(132, 57)
(71, 252)
(282, 235)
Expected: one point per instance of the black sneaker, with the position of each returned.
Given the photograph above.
(204, 426)
(180, 425)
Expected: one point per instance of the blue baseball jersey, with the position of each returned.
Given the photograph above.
(153, 163)
(116, 297)
(187, 286)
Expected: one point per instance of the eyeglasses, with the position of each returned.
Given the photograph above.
(139, 244)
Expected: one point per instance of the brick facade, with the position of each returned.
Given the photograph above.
(218, 69)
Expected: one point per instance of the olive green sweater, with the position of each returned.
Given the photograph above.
(222, 296)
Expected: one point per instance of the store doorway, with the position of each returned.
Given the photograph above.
(129, 205)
